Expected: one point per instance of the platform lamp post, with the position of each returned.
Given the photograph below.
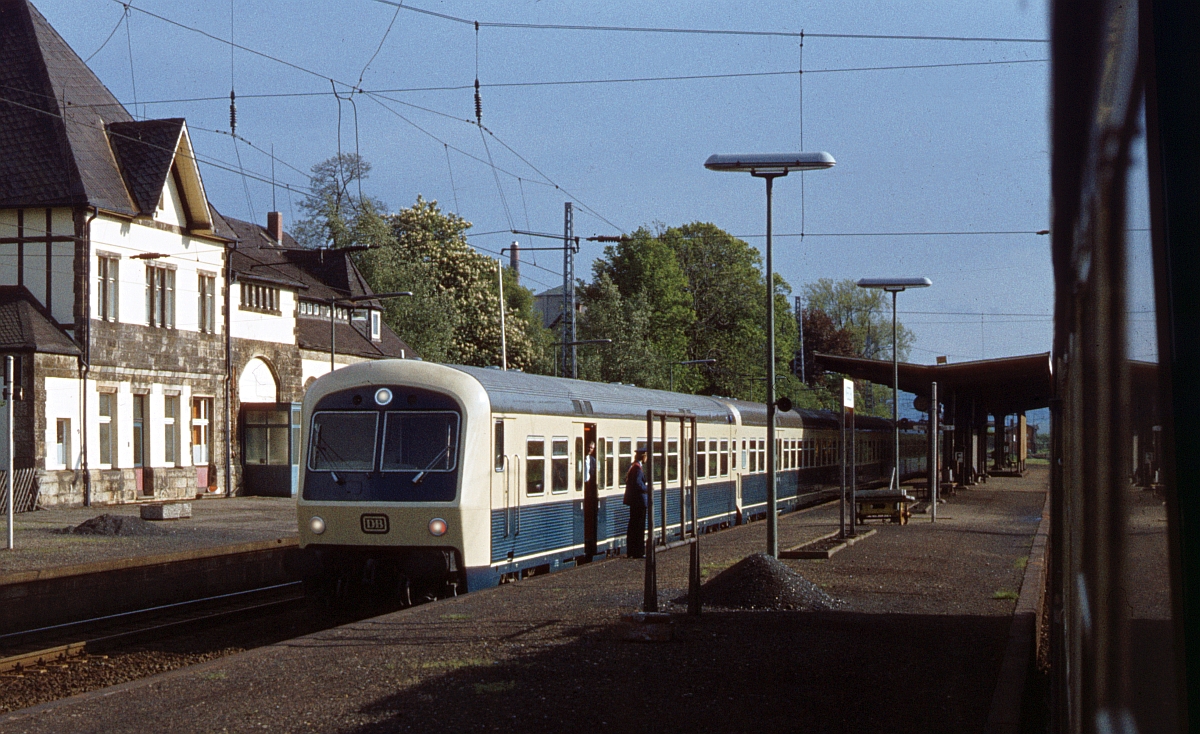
(333, 304)
(770, 166)
(687, 362)
(895, 286)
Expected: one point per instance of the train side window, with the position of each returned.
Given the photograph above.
(624, 456)
(753, 465)
(606, 450)
(702, 458)
(724, 457)
(579, 457)
(560, 464)
(499, 445)
(762, 454)
(672, 459)
(535, 465)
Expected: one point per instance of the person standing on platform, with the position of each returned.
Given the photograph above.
(589, 464)
(637, 497)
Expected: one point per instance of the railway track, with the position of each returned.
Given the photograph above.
(46, 645)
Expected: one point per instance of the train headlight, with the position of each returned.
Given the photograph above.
(383, 396)
(438, 527)
(316, 525)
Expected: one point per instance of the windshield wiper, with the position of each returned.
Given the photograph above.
(421, 474)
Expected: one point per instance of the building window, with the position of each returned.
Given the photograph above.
(108, 429)
(62, 443)
(262, 298)
(375, 326)
(107, 272)
(266, 437)
(207, 303)
(160, 296)
(201, 432)
(170, 429)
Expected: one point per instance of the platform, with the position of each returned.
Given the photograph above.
(923, 605)
(216, 522)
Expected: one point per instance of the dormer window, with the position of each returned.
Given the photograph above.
(262, 298)
(375, 326)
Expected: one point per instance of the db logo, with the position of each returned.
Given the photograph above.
(376, 524)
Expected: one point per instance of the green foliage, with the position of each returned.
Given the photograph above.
(639, 300)
(454, 314)
(687, 293)
(864, 316)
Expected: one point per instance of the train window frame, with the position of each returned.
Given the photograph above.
(579, 458)
(762, 455)
(609, 457)
(498, 441)
(672, 460)
(557, 460)
(702, 458)
(624, 456)
(724, 454)
(315, 435)
(530, 458)
(381, 445)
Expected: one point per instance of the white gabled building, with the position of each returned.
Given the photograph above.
(159, 347)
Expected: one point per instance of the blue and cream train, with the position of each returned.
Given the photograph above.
(430, 478)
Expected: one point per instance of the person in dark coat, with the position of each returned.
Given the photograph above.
(637, 497)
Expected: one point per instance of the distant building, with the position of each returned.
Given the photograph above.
(161, 348)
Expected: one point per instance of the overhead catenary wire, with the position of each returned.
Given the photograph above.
(376, 97)
(124, 13)
(573, 82)
(707, 31)
(214, 162)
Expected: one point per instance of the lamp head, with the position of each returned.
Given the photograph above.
(894, 285)
(769, 163)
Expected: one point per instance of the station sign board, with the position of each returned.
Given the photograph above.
(848, 394)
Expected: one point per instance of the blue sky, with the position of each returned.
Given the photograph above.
(956, 146)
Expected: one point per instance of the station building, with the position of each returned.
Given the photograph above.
(160, 349)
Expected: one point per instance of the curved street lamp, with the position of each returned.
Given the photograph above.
(894, 286)
(770, 166)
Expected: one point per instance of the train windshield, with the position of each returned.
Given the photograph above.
(343, 442)
(420, 442)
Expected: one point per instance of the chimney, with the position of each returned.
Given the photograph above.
(275, 226)
(514, 261)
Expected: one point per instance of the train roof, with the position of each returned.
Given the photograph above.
(511, 391)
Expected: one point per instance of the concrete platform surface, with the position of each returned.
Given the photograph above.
(916, 646)
(41, 543)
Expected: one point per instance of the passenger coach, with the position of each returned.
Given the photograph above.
(433, 479)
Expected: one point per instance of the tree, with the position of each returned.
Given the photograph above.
(338, 215)
(638, 296)
(454, 316)
(728, 293)
(864, 315)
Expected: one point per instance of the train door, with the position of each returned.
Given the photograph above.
(587, 488)
(506, 487)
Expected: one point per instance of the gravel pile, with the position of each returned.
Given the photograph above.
(762, 582)
(116, 525)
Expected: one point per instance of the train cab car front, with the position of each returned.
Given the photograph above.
(378, 507)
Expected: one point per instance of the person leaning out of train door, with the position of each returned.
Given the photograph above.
(637, 497)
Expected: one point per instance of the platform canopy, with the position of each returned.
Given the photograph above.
(1010, 384)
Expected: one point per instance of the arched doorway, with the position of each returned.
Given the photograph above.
(269, 433)
(257, 383)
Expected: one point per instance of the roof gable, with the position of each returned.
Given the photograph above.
(53, 147)
(150, 153)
